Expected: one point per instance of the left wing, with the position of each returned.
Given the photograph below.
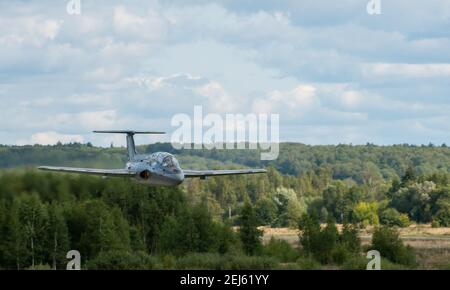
(94, 171)
(205, 173)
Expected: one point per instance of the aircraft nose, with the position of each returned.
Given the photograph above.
(178, 178)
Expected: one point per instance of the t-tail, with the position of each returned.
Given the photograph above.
(131, 148)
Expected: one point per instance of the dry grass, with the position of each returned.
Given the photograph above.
(418, 236)
(432, 245)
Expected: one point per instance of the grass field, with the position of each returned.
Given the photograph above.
(432, 245)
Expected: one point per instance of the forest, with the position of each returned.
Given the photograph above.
(215, 223)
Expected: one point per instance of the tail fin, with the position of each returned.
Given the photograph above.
(131, 148)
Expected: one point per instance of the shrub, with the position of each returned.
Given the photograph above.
(281, 250)
(391, 217)
(200, 261)
(41, 267)
(388, 265)
(435, 224)
(365, 213)
(168, 262)
(249, 263)
(387, 242)
(442, 217)
(117, 260)
(350, 239)
(340, 254)
(308, 263)
(327, 245)
(213, 261)
(355, 262)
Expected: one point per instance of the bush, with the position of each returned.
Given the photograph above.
(388, 265)
(212, 261)
(355, 262)
(115, 260)
(365, 213)
(280, 250)
(340, 254)
(350, 239)
(308, 263)
(249, 263)
(316, 241)
(327, 245)
(387, 242)
(442, 217)
(200, 261)
(41, 267)
(391, 217)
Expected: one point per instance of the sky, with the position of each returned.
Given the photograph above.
(333, 72)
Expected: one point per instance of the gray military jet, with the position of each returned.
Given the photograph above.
(160, 168)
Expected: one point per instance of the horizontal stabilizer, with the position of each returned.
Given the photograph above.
(129, 132)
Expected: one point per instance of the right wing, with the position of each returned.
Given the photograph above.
(205, 173)
(93, 171)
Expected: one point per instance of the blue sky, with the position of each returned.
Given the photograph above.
(334, 73)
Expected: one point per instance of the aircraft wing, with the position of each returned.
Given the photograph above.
(205, 173)
(94, 171)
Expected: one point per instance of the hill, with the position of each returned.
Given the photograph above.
(359, 163)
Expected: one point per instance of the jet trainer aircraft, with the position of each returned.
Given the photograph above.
(160, 168)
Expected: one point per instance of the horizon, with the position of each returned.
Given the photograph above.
(368, 144)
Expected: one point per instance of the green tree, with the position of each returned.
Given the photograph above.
(387, 241)
(31, 224)
(391, 217)
(266, 211)
(366, 213)
(102, 229)
(58, 235)
(248, 230)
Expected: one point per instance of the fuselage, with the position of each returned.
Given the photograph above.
(159, 168)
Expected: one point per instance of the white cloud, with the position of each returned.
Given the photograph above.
(104, 73)
(218, 99)
(51, 138)
(28, 30)
(151, 26)
(441, 70)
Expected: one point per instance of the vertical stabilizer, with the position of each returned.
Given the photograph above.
(131, 148)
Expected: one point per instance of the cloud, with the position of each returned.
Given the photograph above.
(405, 70)
(150, 26)
(218, 100)
(51, 138)
(334, 72)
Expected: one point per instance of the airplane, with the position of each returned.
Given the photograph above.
(159, 168)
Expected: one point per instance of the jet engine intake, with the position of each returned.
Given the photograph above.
(145, 174)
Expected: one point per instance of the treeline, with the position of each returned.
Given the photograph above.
(363, 164)
(280, 200)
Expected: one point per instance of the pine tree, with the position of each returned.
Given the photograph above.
(248, 231)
